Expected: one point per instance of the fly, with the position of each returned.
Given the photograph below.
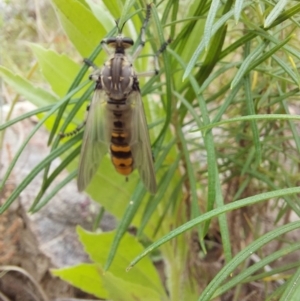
(116, 119)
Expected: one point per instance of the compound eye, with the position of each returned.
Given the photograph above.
(127, 42)
(111, 41)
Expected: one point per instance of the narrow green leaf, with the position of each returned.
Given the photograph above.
(224, 227)
(281, 269)
(243, 276)
(248, 61)
(34, 172)
(34, 130)
(70, 177)
(251, 35)
(78, 107)
(238, 6)
(213, 213)
(37, 96)
(210, 20)
(287, 69)
(130, 212)
(292, 292)
(73, 86)
(251, 117)
(201, 46)
(167, 100)
(227, 270)
(125, 11)
(25, 116)
(254, 59)
(292, 125)
(65, 162)
(173, 199)
(164, 184)
(276, 11)
(212, 55)
(251, 109)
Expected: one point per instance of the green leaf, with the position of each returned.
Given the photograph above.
(102, 14)
(201, 46)
(37, 96)
(248, 61)
(256, 58)
(111, 189)
(276, 11)
(244, 276)
(114, 7)
(41, 165)
(85, 276)
(292, 292)
(210, 20)
(122, 290)
(237, 9)
(58, 69)
(98, 247)
(81, 26)
(213, 213)
(228, 269)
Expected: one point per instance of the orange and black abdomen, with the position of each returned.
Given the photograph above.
(121, 156)
(120, 150)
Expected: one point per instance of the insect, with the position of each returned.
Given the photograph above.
(116, 119)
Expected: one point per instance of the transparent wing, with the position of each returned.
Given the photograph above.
(140, 143)
(95, 140)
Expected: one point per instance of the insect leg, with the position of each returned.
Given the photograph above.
(156, 65)
(142, 34)
(105, 47)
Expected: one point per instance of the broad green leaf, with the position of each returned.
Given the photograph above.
(110, 189)
(37, 96)
(102, 14)
(105, 285)
(114, 7)
(121, 290)
(81, 26)
(85, 276)
(98, 246)
(84, 3)
(58, 69)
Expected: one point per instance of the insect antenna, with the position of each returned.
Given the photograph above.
(120, 29)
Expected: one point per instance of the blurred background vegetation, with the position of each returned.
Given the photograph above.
(223, 119)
